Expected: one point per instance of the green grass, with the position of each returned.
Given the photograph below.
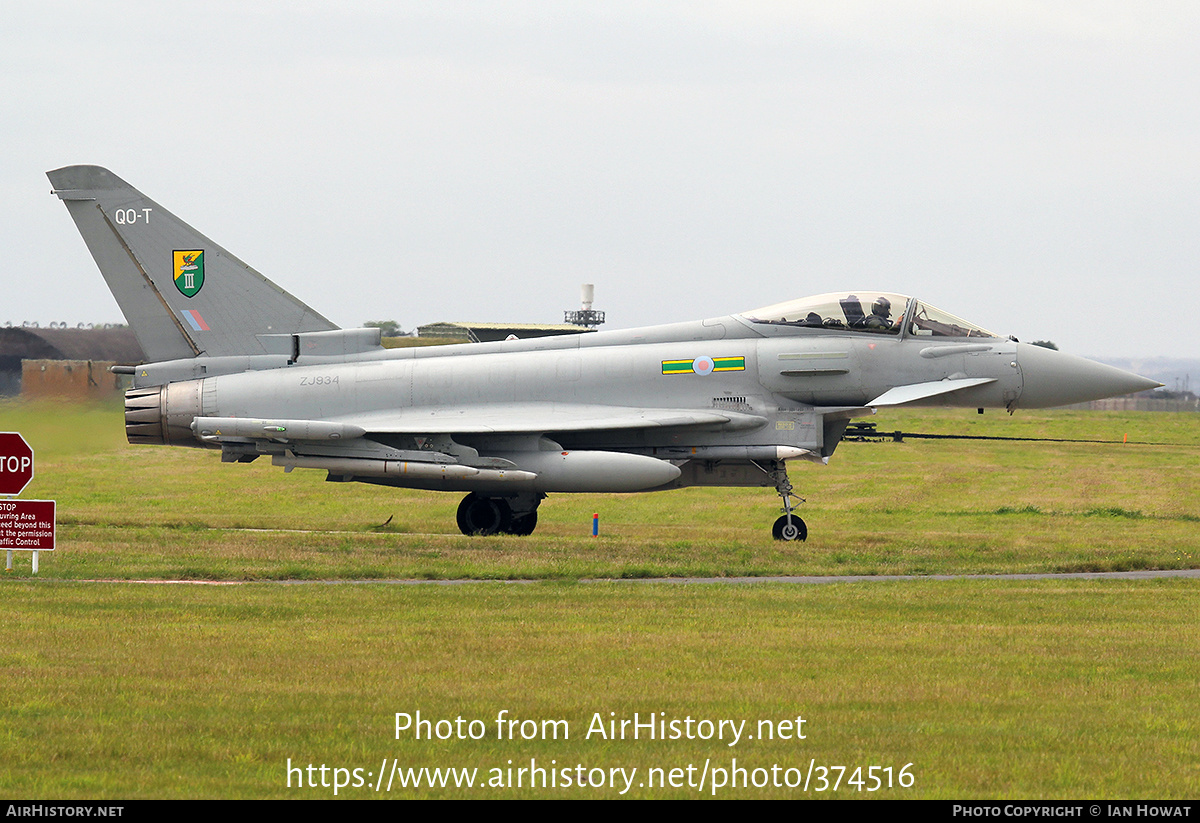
(918, 507)
(991, 689)
(1043, 689)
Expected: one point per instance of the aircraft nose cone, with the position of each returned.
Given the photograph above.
(1052, 378)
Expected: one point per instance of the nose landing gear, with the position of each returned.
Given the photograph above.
(788, 527)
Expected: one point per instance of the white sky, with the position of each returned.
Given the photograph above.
(1031, 166)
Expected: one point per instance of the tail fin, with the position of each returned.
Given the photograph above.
(182, 294)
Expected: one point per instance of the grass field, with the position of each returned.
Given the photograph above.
(990, 689)
(919, 507)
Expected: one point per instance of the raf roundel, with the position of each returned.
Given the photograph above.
(703, 365)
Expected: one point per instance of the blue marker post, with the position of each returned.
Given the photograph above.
(595, 525)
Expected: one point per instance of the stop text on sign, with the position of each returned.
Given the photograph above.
(12, 464)
(16, 463)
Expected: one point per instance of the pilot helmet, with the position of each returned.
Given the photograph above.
(882, 307)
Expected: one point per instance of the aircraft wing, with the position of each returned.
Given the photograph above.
(516, 418)
(919, 391)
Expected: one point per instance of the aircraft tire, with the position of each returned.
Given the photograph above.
(794, 531)
(524, 524)
(479, 515)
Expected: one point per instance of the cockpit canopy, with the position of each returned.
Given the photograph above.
(867, 311)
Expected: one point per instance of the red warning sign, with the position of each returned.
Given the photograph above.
(16, 463)
(27, 525)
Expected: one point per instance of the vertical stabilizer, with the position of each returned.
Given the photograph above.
(182, 294)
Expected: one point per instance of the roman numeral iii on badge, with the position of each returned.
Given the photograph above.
(188, 272)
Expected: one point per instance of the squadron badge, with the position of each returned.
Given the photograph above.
(189, 272)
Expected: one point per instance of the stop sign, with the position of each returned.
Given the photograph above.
(16, 463)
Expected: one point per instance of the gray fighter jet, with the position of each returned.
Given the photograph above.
(237, 364)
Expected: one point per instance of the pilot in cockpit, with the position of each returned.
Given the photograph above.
(880, 316)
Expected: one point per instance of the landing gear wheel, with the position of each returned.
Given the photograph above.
(793, 530)
(478, 515)
(788, 527)
(523, 524)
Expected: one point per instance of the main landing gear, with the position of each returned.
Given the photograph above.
(480, 515)
(517, 515)
(790, 526)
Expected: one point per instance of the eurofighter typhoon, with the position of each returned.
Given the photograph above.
(237, 364)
